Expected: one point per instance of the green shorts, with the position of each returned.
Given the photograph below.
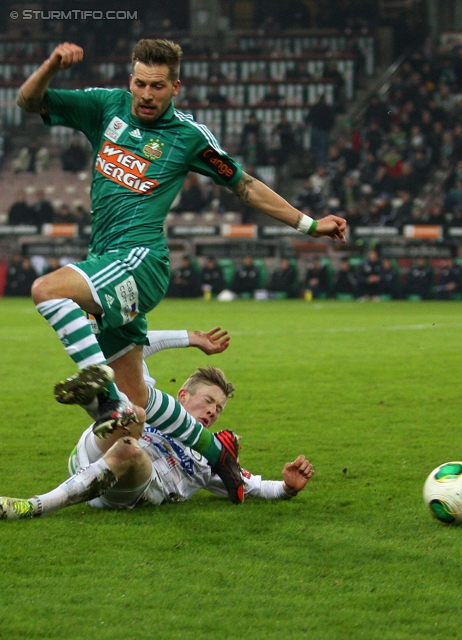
(127, 285)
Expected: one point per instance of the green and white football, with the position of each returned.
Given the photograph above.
(442, 492)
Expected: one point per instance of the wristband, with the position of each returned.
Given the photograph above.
(307, 225)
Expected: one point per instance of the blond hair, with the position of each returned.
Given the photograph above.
(210, 376)
(151, 52)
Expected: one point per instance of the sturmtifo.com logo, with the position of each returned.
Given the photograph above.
(73, 14)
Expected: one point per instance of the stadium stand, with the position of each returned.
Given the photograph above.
(392, 168)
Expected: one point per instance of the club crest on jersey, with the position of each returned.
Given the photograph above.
(115, 129)
(153, 149)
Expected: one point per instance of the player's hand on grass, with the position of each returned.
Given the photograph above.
(214, 341)
(65, 55)
(296, 474)
(332, 227)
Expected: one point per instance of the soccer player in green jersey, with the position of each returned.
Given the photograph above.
(143, 149)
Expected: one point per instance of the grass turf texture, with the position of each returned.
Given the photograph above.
(369, 392)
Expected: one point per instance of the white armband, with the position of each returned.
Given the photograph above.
(274, 490)
(159, 340)
(307, 225)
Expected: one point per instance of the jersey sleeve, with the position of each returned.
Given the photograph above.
(253, 486)
(209, 159)
(81, 110)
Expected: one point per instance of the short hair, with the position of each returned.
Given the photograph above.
(210, 376)
(151, 52)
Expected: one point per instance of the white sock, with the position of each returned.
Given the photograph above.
(85, 485)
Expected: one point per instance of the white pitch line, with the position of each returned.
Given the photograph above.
(406, 327)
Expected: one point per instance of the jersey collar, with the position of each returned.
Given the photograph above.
(165, 117)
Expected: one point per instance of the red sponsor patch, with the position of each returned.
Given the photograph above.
(125, 168)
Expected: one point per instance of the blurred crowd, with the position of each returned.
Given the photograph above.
(375, 173)
(42, 211)
(367, 278)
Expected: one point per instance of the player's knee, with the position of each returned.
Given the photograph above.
(38, 290)
(125, 452)
(42, 290)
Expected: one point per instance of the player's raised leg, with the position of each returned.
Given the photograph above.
(61, 297)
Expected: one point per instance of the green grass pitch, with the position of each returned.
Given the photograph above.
(369, 392)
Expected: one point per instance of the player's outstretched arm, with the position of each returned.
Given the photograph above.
(32, 94)
(296, 474)
(214, 341)
(256, 194)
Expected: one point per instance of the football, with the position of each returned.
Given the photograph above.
(442, 492)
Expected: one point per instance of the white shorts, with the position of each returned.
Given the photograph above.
(87, 452)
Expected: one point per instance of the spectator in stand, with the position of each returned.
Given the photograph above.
(383, 184)
(297, 71)
(252, 126)
(20, 276)
(320, 180)
(345, 283)
(409, 180)
(215, 73)
(321, 117)
(254, 151)
(215, 98)
(449, 281)
(317, 279)
(223, 200)
(185, 281)
(368, 166)
(332, 73)
(419, 281)
(349, 157)
(74, 158)
(397, 137)
(212, 277)
(310, 199)
(285, 279)
(401, 209)
(12, 275)
(121, 74)
(32, 158)
(453, 199)
(273, 97)
(420, 161)
(391, 280)
(247, 277)
(369, 276)
(349, 193)
(82, 218)
(42, 209)
(393, 161)
(20, 212)
(64, 215)
(373, 137)
(191, 196)
(52, 265)
(287, 144)
(188, 98)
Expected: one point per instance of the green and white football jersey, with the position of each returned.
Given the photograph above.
(138, 169)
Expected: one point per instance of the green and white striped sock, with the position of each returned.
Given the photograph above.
(75, 333)
(168, 416)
